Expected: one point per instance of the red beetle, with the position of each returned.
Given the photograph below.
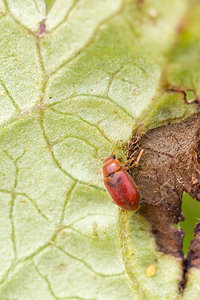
(119, 183)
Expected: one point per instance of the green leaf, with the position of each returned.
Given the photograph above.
(68, 91)
(29, 13)
(49, 3)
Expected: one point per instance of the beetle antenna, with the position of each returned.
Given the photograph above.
(114, 148)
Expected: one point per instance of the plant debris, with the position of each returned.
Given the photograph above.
(169, 166)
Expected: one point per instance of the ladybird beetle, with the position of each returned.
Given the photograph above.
(119, 183)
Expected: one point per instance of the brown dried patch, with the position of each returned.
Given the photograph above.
(193, 258)
(170, 165)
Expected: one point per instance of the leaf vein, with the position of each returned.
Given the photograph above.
(86, 122)
(57, 162)
(90, 40)
(86, 264)
(66, 200)
(66, 16)
(47, 282)
(14, 103)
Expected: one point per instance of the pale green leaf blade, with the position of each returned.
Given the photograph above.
(21, 75)
(58, 13)
(192, 287)
(69, 94)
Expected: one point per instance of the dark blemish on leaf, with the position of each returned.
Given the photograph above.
(42, 30)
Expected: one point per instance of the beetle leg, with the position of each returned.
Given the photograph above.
(137, 160)
(106, 179)
(130, 160)
(130, 167)
(139, 156)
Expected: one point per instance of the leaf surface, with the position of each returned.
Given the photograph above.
(73, 81)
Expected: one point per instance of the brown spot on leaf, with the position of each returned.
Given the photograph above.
(168, 167)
